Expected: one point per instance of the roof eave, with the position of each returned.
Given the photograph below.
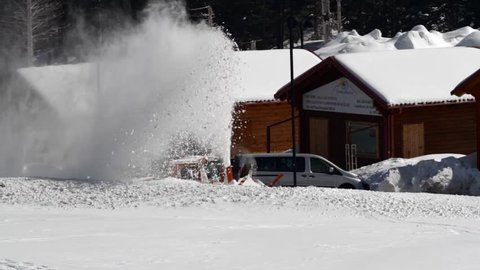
(470, 85)
(331, 62)
(430, 103)
(282, 93)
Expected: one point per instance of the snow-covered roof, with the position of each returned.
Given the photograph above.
(259, 75)
(65, 87)
(409, 77)
(262, 73)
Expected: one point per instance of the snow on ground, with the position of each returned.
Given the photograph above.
(179, 224)
(441, 173)
(418, 37)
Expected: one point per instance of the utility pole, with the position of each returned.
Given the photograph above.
(326, 20)
(253, 45)
(292, 96)
(209, 14)
(316, 17)
(339, 16)
(99, 44)
(29, 25)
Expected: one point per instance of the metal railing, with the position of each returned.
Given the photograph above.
(351, 156)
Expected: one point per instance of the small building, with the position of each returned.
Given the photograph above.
(471, 86)
(262, 123)
(358, 109)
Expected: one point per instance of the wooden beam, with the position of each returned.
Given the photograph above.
(477, 97)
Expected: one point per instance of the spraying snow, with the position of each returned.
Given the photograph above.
(166, 80)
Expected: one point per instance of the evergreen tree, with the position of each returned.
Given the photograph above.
(33, 26)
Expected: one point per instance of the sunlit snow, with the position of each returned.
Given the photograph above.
(418, 37)
(172, 77)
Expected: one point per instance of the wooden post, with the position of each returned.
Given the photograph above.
(268, 139)
(477, 126)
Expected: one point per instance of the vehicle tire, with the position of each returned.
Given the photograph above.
(347, 186)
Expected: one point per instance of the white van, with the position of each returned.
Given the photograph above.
(312, 170)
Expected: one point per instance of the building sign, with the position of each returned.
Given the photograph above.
(340, 96)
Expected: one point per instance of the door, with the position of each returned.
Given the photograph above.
(413, 140)
(318, 136)
(318, 174)
(269, 167)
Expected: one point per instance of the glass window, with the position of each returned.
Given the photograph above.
(266, 164)
(365, 137)
(318, 166)
(286, 164)
(279, 164)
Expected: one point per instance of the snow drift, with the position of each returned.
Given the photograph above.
(418, 37)
(447, 173)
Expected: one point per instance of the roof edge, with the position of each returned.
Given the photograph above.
(468, 85)
(282, 93)
(368, 90)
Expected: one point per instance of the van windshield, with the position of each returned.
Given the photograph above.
(279, 164)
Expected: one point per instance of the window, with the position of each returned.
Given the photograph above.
(318, 166)
(279, 164)
(266, 164)
(365, 136)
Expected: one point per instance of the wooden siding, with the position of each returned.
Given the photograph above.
(447, 128)
(249, 133)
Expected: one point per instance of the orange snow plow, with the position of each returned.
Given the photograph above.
(205, 169)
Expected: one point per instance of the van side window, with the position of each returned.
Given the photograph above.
(286, 164)
(265, 164)
(318, 166)
(279, 164)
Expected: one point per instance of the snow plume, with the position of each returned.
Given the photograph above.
(117, 115)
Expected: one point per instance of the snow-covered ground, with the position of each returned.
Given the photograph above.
(176, 224)
(179, 224)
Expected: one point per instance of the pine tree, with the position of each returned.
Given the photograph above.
(33, 25)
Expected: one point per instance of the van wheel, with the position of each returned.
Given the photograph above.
(346, 186)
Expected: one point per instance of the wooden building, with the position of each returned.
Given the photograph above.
(262, 123)
(471, 86)
(358, 109)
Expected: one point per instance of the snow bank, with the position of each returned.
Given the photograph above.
(173, 193)
(13, 265)
(418, 37)
(447, 173)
